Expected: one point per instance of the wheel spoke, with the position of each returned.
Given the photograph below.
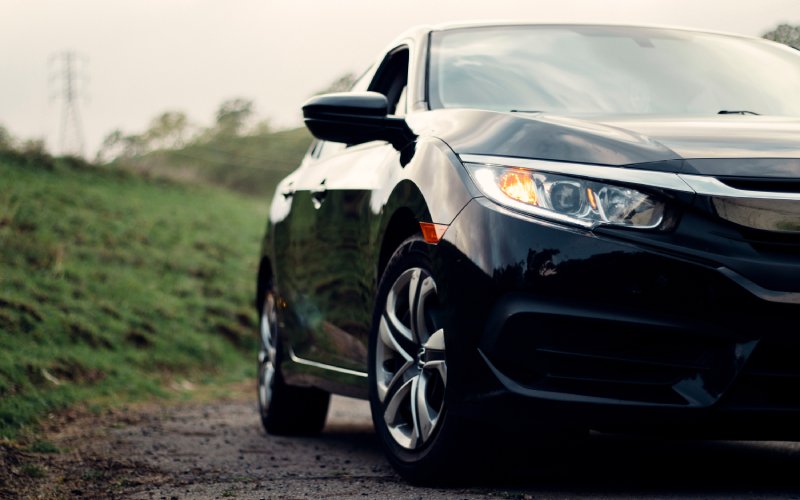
(396, 336)
(439, 366)
(267, 355)
(426, 288)
(413, 304)
(266, 333)
(435, 353)
(396, 381)
(391, 344)
(424, 419)
(395, 299)
(266, 374)
(436, 341)
(405, 433)
(414, 400)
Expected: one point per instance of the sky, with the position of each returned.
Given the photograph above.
(143, 57)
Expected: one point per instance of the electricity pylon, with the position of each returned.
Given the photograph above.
(69, 69)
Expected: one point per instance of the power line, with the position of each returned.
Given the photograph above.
(69, 69)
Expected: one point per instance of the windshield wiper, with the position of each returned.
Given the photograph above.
(737, 112)
(526, 111)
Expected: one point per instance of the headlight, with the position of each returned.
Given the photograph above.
(562, 198)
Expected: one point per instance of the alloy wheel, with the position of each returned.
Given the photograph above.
(267, 354)
(411, 367)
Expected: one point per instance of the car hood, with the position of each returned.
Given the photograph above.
(742, 145)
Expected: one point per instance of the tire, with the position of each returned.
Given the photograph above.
(284, 409)
(408, 376)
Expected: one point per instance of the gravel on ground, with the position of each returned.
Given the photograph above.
(217, 449)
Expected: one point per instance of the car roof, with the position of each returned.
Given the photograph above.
(421, 32)
(424, 29)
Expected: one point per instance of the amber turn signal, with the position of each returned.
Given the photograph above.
(432, 233)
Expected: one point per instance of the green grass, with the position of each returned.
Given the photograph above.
(39, 446)
(113, 287)
(33, 471)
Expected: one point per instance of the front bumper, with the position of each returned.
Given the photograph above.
(550, 322)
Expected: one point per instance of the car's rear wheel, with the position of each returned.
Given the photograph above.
(408, 370)
(284, 409)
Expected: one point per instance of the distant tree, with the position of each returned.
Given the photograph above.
(172, 130)
(341, 84)
(263, 127)
(6, 140)
(232, 116)
(133, 145)
(786, 34)
(167, 130)
(33, 146)
(35, 151)
(111, 147)
(119, 145)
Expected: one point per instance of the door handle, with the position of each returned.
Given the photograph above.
(318, 195)
(289, 191)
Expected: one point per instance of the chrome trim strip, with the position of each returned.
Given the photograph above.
(651, 178)
(712, 186)
(301, 361)
(690, 183)
(758, 290)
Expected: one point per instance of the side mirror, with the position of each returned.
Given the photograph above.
(354, 118)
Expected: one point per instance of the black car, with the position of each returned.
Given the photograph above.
(555, 227)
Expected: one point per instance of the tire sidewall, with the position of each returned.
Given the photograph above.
(414, 252)
(264, 409)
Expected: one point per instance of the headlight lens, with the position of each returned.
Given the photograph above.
(587, 203)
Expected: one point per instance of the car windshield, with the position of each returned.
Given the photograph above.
(611, 70)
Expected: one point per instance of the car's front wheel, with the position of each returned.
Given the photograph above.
(408, 370)
(284, 409)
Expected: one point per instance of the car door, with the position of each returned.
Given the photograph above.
(292, 215)
(334, 276)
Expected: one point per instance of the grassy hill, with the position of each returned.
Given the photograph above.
(113, 287)
(250, 164)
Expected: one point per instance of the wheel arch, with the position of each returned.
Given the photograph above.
(401, 226)
(263, 282)
(434, 189)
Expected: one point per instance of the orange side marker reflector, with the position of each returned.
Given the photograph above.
(432, 233)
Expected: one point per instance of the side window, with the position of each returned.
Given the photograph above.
(401, 106)
(391, 80)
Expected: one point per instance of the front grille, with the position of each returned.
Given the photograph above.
(772, 243)
(614, 359)
(770, 380)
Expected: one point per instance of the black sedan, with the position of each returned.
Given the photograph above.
(553, 227)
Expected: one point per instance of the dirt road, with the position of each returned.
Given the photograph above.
(218, 450)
